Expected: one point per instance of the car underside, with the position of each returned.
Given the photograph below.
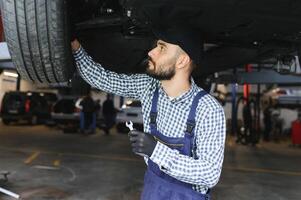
(118, 33)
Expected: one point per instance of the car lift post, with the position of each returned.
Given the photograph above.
(246, 102)
(234, 117)
(258, 99)
(18, 82)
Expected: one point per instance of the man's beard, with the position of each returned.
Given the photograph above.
(161, 74)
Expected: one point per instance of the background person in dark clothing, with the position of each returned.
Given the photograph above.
(267, 119)
(88, 114)
(97, 108)
(109, 113)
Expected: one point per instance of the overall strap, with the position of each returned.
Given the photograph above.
(153, 113)
(190, 124)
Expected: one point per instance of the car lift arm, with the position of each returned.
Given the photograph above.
(258, 77)
(7, 192)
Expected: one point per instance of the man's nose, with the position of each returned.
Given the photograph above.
(152, 53)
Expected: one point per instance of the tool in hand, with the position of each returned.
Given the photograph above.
(129, 125)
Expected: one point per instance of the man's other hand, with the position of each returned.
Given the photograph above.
(142, 143)
(75, 45)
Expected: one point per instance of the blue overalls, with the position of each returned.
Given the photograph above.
(157, 184)
(92, 126)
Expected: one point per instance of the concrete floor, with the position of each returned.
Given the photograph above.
(47, 164)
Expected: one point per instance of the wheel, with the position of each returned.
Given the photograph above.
(121, 128)
(37, 34)
(33, 120)
(5, 121)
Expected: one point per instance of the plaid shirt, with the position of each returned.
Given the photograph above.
(204, 169)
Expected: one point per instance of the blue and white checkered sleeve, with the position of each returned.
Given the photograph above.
(205, 169)
(131, 86)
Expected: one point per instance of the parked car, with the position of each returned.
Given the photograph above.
(64, 110)
(51, 98)
(29, 106)
(283, 97)
(66, 115)
(131, 111)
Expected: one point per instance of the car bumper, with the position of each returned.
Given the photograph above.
(123, 119)
(294, 102)
(64, 118)
(15, 117)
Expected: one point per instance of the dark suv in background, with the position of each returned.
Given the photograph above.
(33, 107)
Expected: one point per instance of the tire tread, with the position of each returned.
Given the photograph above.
(36, 35)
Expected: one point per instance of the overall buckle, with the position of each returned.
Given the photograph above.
(153, 117)
(190, 126)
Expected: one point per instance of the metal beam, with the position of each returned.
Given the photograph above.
(7, 65)
(260, 77)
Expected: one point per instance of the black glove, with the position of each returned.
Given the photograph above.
(142, 143)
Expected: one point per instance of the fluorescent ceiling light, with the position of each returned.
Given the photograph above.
(4, 53)
(11, 74)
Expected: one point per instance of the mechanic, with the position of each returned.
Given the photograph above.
(87, 115)
(184, 127)
(109, 113)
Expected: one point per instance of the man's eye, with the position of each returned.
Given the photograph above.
(161, 48)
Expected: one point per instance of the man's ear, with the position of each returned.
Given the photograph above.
(183, 60)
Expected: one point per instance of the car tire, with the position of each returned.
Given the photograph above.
(34, 120)
(6, 122)
(38, 38)
(121, 128)
(68, 130)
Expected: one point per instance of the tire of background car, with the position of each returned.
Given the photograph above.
(121, 128)
(5, 121)
(34, 120)
(38, 38)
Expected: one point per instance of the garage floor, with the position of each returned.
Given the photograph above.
(47, 164)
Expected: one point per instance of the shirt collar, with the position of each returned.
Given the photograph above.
(182, 97)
